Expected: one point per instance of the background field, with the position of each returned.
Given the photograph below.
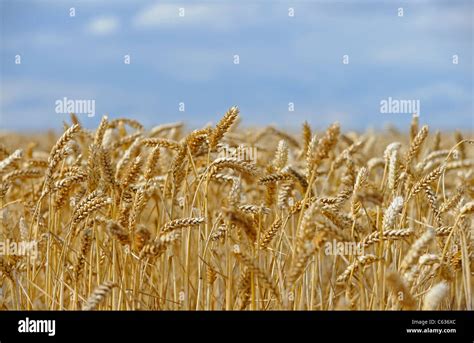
(127, 218)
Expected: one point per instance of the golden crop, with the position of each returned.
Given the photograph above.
(123, 218)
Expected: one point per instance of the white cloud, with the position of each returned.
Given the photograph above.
(217, 16)
(16, 90)
(189, 63)
(159, 14)
(412, 52)
(446, 91)
(444, 18)
(103, 26)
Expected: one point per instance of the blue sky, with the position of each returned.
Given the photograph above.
(283, 59)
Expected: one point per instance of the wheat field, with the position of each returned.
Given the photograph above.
(231, 218)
